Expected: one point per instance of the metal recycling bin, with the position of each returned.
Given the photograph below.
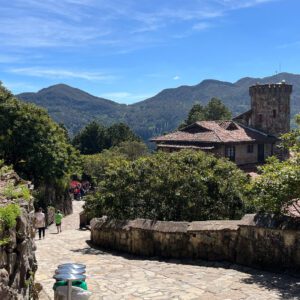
(69, 272)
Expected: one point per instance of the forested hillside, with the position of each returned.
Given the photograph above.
(153, 116)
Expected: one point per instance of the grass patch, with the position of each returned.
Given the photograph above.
(4, 241)
(17, 192)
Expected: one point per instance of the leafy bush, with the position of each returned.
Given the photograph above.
(15, 192)
(8, 216)
(132, 150)
(186, 185)
(94, 165)
(279, 183)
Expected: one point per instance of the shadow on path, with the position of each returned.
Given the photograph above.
(287, 285)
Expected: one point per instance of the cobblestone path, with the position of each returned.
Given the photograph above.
(115, 276)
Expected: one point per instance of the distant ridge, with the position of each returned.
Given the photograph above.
(156, 115)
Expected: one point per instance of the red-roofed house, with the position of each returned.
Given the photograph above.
(248, 138)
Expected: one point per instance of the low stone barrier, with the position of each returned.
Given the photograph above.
(84, 220)
(254, 241)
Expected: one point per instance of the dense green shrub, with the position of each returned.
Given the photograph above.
(279, 182)
(95, 165)
(8, 216)
(186, 185)
(132, 150)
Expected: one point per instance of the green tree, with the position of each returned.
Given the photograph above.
(279, 182)
(185, 185)
(131, 149)
(94, 165)
(35, 145)
(92, 139)
(276, 187)
(214, 110)
(118, 133)
(196, 113)
(291, 140)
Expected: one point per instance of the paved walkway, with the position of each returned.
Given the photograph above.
(116, 276)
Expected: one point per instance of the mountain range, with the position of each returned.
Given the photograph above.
(156, 115)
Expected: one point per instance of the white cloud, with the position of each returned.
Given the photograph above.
(125, 97)
(201, 26)
(35, 32)
(114, 23)
(60, 73)
(116, 95)
(176, 77)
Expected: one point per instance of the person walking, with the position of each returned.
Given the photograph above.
(58, 218)
(40, 222)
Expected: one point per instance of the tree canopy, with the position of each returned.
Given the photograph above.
(214, 110)
(185, 185)
(131, 150)
(279, 182)
(32, 142)
(94, 138)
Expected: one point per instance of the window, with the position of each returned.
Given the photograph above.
(230, 152)
(260, 118)
(274, 113)
(250, 148)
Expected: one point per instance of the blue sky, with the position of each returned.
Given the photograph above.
(129, 50)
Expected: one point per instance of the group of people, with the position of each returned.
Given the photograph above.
(41, 224)
(79, 189)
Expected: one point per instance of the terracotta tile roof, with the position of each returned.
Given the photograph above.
(293, 209)
(216, 132)
(244, 114)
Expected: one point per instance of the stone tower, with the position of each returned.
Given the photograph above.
(270, 104)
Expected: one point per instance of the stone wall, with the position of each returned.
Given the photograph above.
(247, 241)
(17, 247)
(17, 258)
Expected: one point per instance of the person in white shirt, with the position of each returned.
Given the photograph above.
(40, 222)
